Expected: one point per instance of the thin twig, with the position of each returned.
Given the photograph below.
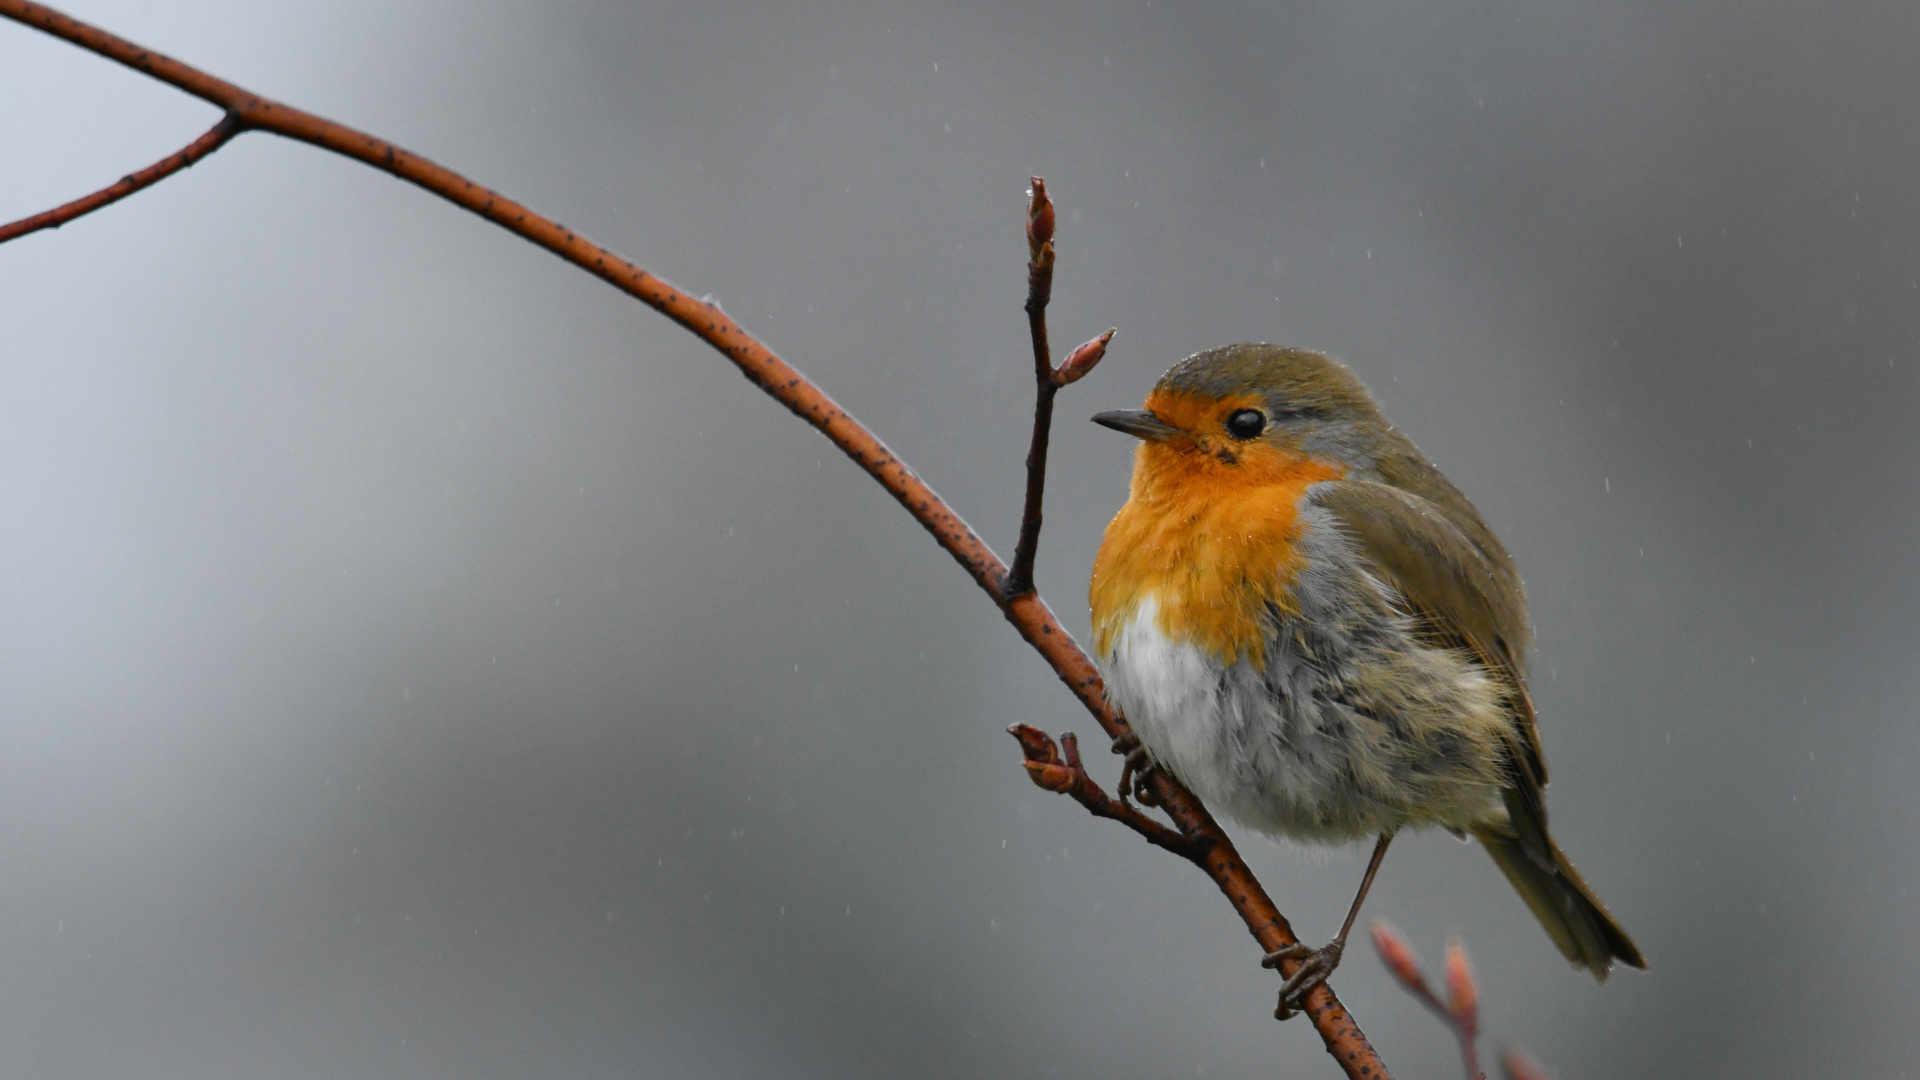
(216, 137)
(1046, 385)
(1027, 612)
(1054, 771)
(1047, 381)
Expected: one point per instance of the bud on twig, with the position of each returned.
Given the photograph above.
(1463, 1000)
(1054, 778)
(1398, 956)
(1044, 766)
(1035, 745)
(1039, 220)
(1082, 360)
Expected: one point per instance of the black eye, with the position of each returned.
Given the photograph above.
(1246, 423)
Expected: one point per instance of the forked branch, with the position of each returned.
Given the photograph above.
(1058, 769)
(1012, 592)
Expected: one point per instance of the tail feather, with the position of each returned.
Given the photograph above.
(1574, 918)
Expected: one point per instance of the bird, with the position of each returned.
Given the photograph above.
(1310, 627)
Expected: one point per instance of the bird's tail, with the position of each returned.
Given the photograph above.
(1574, 918)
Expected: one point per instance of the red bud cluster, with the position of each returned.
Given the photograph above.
(1044, 765)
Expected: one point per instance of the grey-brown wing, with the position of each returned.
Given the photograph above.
(1463, 597)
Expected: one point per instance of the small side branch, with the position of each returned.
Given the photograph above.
(1054, 770)
(214, 139)
(1047, 381)
(1039, 292)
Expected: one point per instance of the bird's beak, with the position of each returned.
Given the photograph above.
(1137, 422)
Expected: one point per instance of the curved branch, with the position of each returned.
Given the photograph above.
(216, 137)
(1027, 612)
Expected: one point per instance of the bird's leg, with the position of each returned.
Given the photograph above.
(1134, 772)
(1317, 964)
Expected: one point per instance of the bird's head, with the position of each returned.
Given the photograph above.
(1254, 414)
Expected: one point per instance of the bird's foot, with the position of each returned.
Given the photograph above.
(1315, 966)
(1135, 770)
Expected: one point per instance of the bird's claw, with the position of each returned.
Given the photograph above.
(1134, 771)
(1315, 966)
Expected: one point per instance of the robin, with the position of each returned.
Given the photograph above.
(1312, 629)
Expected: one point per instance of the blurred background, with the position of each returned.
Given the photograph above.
(417, 659)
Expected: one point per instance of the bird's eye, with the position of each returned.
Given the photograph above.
(1246, 423)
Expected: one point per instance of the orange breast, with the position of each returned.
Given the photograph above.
(1213, 543)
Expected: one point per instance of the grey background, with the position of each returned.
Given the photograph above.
(418, 660)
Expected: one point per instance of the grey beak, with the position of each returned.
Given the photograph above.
(1137, 422)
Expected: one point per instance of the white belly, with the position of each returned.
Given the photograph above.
(1216, 728)
(1288, 747)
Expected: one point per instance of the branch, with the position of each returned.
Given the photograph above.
(1025, 610)
(1048, 769)
(214, 139)
(1039, 291)
(1047, 380)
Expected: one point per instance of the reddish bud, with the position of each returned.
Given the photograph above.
(1518, 1066)
(1039, 218)
(1082, 360)
(1397, 955)
(1051, 776)
(1036, 745)
(1462, 999)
